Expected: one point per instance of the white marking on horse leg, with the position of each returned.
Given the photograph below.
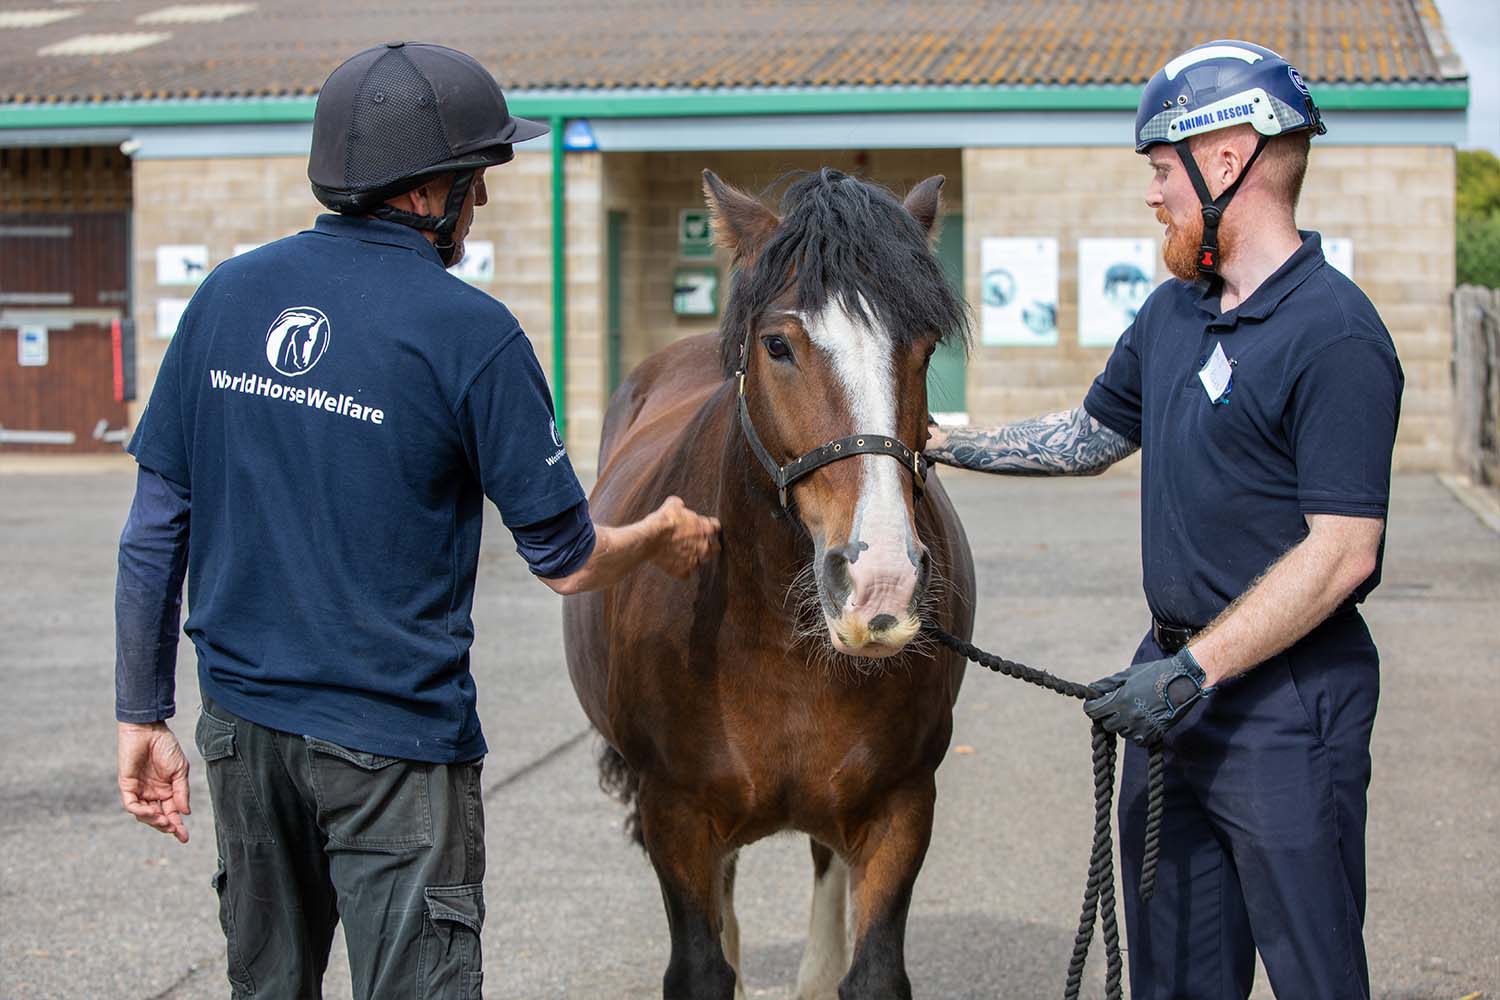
(729, 938)
(826, 959)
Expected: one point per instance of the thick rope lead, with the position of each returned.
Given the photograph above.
(1099, 891)
(1154, 798)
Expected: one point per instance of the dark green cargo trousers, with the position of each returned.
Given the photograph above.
(310, 833)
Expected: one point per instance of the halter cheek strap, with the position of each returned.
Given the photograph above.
(1213, 208)
(783, 476)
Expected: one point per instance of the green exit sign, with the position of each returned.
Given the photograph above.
(695, 236)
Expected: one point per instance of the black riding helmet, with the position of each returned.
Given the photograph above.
(393, 117)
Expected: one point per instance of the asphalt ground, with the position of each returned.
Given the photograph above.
(93, 904)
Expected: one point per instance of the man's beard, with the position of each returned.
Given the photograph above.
(1182, 247)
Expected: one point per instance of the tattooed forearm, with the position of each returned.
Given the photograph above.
(1068, 443)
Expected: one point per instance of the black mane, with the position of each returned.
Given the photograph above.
(847, 239)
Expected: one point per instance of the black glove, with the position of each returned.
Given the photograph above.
(1142, 702)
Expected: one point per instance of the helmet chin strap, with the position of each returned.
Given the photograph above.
(443, 225)
(1213, 208)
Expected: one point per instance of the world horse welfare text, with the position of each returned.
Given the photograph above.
(318, 399)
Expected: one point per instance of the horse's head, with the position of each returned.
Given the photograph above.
(837, 306)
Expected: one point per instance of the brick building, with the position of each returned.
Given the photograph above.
(188, 125)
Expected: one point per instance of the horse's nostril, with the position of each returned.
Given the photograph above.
(882, 622)
(836, 571)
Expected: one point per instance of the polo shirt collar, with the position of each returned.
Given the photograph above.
(368, 229)
(1296, 269)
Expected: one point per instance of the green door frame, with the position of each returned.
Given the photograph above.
(614, 332)
(947, 375)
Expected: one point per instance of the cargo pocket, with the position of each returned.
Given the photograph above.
(370, 802)
(237, 811)
(240, 983)
(449, 966)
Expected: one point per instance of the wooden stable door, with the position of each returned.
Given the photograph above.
(63, 284)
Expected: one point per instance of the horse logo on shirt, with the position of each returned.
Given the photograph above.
(297, 340)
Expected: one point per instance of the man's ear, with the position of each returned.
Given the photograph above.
(924, 202)
(741, 224)
(427, 198)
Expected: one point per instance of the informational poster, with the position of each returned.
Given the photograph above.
(695, 292)
(240, 248)
(1114, 278)
(31, 346)
(478, 264)
(1018, 290)
(1339, 251)
(181, 264)
(694, 233)
(168, 315)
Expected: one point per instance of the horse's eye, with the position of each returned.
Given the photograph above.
(777, 348)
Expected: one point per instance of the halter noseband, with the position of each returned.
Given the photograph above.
(834, 451)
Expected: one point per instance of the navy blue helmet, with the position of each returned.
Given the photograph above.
(1221, 84)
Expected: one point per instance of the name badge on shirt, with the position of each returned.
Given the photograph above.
(1216, 375)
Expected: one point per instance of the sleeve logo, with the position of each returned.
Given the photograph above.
(297, 340)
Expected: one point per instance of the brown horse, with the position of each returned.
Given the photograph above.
(787, 685)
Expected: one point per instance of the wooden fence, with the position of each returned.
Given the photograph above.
(1476, 373)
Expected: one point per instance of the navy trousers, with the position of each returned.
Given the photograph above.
(1263, 839)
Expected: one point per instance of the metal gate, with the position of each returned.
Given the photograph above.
(65, 343)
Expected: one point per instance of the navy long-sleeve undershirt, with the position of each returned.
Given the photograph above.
(148, 599)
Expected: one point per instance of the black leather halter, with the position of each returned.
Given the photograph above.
(834, 451)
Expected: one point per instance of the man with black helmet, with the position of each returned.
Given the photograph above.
(1264, 392)
(325, 427)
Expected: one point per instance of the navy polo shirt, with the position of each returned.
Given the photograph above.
(1306, 427)
(339, 406)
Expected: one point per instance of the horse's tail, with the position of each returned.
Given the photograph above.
(618, 780)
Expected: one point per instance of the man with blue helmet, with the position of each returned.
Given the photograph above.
(1264, 392)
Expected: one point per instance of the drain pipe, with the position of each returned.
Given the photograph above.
(559, 281)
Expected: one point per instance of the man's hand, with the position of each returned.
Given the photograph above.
(153, 777)
(672, 538)
(1144, 701)
(684, 538)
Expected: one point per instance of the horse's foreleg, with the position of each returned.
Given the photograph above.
(689, 864)
(730, 937)
(826, 957)
(885, 865)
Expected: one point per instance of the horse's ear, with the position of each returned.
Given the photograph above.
(925, 201)
(741, 224)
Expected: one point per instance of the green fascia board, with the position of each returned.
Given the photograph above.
(644, 103)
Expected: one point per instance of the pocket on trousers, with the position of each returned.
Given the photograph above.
(1305, 705)
(370, 802)
(450, 964)
(240, 983)
(237, 811)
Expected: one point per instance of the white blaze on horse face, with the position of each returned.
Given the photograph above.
(877, 614)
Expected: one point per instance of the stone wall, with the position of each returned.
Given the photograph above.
(225, 202)
(1395, 203)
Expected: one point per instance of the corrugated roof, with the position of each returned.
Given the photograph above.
(288, 47)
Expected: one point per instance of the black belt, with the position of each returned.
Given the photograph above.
(1171, 638)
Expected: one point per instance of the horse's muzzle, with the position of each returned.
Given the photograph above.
(871, 603)
(882, 636)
